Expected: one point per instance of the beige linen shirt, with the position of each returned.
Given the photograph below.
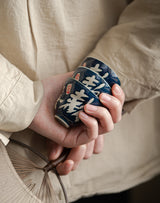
(41, 38)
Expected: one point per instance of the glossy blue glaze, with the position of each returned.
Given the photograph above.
(102, 69)
(74, 96)
(92, 80)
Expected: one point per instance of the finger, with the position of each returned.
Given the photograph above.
(118, 93)
(54, 150)
(103, 115)
(74, 158)
(99, 144)
(91, 131)
(65, 167)
(89, 149)
(114, 106)
(76, 155)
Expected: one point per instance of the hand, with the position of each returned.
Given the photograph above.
(45, 124)
(96, 121)
(114, 104)
(76, 154)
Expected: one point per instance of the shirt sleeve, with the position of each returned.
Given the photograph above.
(20, 98)
(131, 49)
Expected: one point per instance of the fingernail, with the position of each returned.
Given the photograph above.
(117, 90)
(83, 147)
(69, 166)
(90, 108)
(105, 98)
(83, 115)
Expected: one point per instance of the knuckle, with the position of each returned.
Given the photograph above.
(117, 104)
(105, 127)
(105, 119)
(103, 113)
(108, 122)
(110, 127)
(118, 117)
(95, 135)
(94, 122)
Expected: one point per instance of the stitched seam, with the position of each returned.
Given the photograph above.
(12, 88)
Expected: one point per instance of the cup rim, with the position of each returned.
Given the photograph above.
(62, 121)
(95, 73)
(104, 64)
(90, 57)
(83, 86)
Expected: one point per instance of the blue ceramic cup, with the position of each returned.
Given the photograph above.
(74, 96)
(91, 80)
(102, 69)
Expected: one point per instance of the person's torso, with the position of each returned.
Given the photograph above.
(49, 37)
